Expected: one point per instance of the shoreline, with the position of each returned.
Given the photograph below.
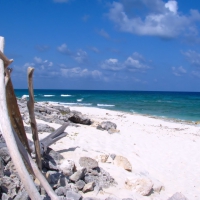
(167, 119)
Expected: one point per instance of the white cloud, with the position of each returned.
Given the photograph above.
(80, 56)
(178, 71)
(112, 64)
(94, 49)
(193, 57)
(38, 60)
(164, 22)
(172, 6)
(135, 62)
(63, 49)
(104, 34)
(79, 72)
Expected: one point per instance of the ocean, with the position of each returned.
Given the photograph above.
(171, 105)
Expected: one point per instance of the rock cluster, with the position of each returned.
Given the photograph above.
(62, 175)
(52, 114)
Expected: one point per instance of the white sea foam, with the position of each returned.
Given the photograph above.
(105, 105)
(65, 95)
(79, 100)
(48, 95)
(24, 96)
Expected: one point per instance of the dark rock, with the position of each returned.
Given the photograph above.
(80, 184)
(51, 159)
(5, 155)
(53, 177)
(10, 185)
(1, 138)
(88, 187)
(88, 162)
(61, 191)
(73, 196)
(102, 180)
(107, 125)
(113, 156)
(80, 119)
(178, 196)
(78, 175)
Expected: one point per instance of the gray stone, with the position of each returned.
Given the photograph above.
(5, 155)
(178, 196)
(53, 177)
(80, 184)
(61, 191)
(52, 159)
(78, 175)
(88, 162)
(113, 156)
(5, 197)
(88, 187)
(73, 196)
(40, 128)
(22, 195)
(106, 125)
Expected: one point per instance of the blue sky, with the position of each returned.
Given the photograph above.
(102, 44)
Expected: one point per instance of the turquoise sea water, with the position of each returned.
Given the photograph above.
(173, 105)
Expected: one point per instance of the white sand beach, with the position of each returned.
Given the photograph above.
(166, 153)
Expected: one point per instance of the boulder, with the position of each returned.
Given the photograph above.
(88, 162)
(123, 162)
(40, 128)
(178, 196)
(108, 126)
(142, 185)
(80, 119)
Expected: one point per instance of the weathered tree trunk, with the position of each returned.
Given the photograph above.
(7, 132)
(30, 105)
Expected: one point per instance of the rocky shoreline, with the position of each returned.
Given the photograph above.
(67, 179)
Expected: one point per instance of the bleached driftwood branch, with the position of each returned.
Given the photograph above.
(35, 169)
(7, 132)
(30, 105)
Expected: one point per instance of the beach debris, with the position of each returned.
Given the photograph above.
(178, 196)
(108, 126)
(142, 185)
(88, 162)
(123, 162)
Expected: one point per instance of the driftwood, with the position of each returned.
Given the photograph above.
(35, 169)
(15, 116)
(7, 132)
(54, 137)
(30, 105)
